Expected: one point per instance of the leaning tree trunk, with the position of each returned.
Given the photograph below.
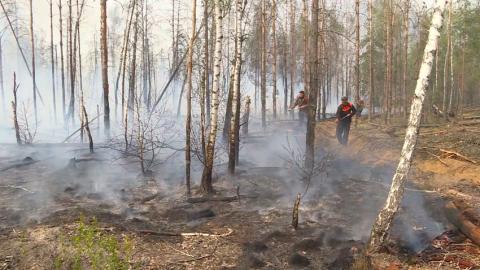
(188, 124)
(104, 56)
(386, 215)
(217, 62)
(312, 95)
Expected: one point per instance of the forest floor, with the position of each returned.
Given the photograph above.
(97, 212)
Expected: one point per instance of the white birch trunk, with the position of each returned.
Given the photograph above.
(217, 62)
(386, 215)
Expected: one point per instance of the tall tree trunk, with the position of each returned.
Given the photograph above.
(72, 64)
(234, 126)
(450, 44)
(104, 56)
(386, 215)
(405, 56)
(263, 83)
(2, 86)
(386, 84)
(357, 53)
(285, 77)
(52, 61)
(312, 95)
(206, 61)
(306, 61)
(217, 61)
(188, 124)
(445, 87)
(293, 49)
(133, 70)
(274, 59)
(371, 105)
(62, 58)
(32, 43)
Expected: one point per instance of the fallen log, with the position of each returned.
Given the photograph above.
(471, 117)
(229, 232)
(462, 219)
(26, 161)
(218, 199)
(450, 153)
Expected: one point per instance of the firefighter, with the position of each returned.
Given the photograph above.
(302, 102)
(345, 113)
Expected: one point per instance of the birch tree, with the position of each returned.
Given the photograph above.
(385, 217)
(217, 62)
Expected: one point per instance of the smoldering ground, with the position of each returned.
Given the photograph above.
(336, 213)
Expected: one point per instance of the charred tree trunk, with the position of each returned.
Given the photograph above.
(87, 128)
(386, 215)
(104, 56)
(217, 61)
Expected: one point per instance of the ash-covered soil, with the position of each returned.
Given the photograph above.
(43, 197)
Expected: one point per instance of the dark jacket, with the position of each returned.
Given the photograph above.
(344, 110)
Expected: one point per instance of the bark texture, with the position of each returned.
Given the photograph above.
(385, 217)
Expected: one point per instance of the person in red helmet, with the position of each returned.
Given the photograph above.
(301, 101)
(345, 113)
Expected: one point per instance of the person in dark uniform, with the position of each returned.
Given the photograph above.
(345, 113)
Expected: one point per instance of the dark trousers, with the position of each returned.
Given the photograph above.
(343, 130)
